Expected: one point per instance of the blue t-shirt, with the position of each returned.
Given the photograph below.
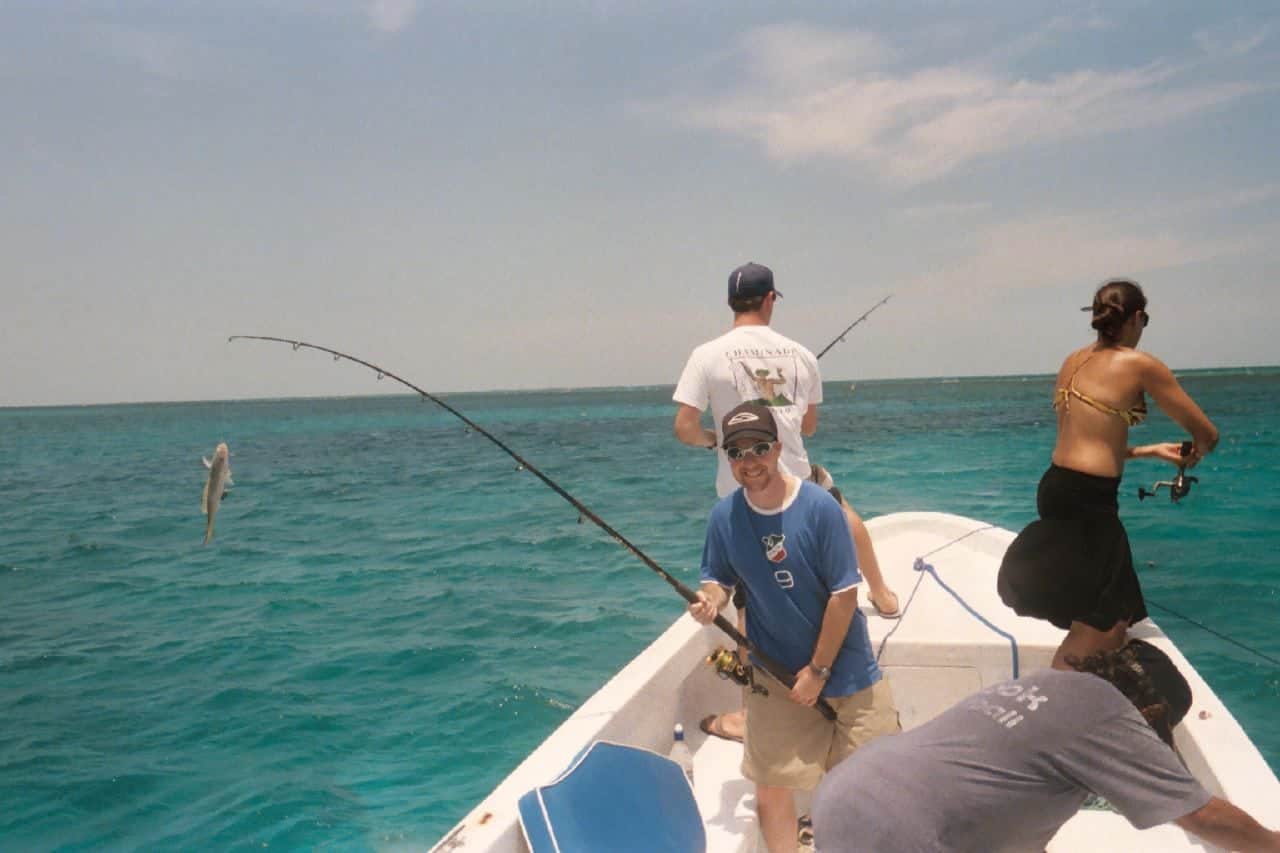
(790, 562)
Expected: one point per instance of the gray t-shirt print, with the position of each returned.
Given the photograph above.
(1002, 771)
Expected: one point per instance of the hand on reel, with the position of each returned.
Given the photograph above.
(1179, 486)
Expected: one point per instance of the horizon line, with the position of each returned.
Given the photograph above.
(559, 389)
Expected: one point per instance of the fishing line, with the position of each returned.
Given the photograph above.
(770, 665)
(1218, 634)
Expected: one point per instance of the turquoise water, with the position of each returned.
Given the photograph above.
(390, 616)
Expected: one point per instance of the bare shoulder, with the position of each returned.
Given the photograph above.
(1073, 360)
(1146, 365)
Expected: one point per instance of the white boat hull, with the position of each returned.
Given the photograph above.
(938, 653)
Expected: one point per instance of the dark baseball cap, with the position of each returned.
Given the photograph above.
(748, 420)
(751, 280)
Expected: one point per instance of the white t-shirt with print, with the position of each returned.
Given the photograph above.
(754, 363)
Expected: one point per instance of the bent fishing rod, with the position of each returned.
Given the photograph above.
(773, 667)
(840, 337)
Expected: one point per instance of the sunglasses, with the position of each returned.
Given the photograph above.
(760, 448)
(1146, 318)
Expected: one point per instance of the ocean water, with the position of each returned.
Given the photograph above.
(390, 615)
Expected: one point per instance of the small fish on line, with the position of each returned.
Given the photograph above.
(215, 488)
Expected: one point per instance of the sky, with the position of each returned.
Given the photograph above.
(519, 195)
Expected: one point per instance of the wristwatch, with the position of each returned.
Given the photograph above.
(823, 672)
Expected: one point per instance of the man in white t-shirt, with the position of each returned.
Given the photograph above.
(753, 363)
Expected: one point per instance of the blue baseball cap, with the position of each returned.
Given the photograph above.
(750, 280)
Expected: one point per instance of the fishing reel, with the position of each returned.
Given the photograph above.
(1179, 486)
(728, 665)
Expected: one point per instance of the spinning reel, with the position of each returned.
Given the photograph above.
(727, 665)
(1179, 486)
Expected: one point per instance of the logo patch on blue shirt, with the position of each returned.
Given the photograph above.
(774, 547)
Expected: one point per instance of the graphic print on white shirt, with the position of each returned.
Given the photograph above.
(754, 363)
(765, 375)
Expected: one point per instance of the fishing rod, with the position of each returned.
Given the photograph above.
(770, 665)
(840, 337)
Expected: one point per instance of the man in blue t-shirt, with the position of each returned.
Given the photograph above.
(787, 543)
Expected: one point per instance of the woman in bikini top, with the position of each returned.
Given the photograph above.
(1109, 379)
(1074, 566)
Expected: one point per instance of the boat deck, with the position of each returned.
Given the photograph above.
(954, 638)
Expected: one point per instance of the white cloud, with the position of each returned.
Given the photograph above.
(1055, 249)
(797, 56)
(1235, 38)
(392, 16)
(808, 94)
(941, 211)
(1051, 31)
(1220, 202)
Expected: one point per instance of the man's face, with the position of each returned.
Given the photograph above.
(752, 471)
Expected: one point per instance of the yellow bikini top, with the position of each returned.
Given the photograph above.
(1132, 416)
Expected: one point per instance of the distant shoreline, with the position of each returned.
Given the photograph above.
(945, 378)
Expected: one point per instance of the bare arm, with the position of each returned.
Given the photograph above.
(1159, 381)
(1221, 823)
(809, 423)
(688, 428)
(1169, 451)
(835, 625)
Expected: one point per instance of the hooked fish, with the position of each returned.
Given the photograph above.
(215, 488)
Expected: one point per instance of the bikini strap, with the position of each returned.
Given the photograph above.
(1063, 394)
(1071, 382)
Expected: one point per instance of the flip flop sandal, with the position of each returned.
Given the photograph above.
(804, 839)
(711, 725)
(886, 614)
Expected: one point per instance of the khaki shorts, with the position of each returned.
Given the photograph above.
(793, 746)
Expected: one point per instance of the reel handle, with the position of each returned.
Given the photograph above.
(1180, 486)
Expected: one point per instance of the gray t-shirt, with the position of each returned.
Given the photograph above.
(1002, 771)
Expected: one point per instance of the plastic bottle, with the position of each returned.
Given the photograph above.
(680, 753)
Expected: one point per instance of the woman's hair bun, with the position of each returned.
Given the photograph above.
(1115, 302)
(1108, 318)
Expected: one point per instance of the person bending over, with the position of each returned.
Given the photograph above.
(1006, 767)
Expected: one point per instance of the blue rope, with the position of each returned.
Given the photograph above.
(921, 566)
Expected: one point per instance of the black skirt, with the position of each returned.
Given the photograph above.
(1074, 564)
